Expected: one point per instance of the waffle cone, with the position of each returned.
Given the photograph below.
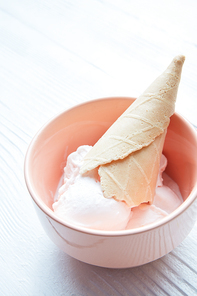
(127, 143)
(134, 176)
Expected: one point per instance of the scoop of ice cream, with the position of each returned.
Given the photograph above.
(145, 214)
(81, 200)
(167, 196)
(165, 202)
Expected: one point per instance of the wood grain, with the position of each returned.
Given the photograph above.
(54, 55)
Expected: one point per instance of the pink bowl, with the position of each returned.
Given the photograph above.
(85, 124)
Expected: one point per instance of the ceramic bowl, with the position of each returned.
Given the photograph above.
(85, 124)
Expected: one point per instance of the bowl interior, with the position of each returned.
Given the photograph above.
(85, 124)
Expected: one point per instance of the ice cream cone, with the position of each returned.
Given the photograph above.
(133, 179)
(141, 124)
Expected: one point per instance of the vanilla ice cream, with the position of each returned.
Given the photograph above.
(80, 199)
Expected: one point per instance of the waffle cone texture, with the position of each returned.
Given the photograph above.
(128, 154)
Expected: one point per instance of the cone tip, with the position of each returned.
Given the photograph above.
(179, 59)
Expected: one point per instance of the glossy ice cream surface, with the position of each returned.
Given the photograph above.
(80, 199)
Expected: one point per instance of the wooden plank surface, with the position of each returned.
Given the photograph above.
(54, 55)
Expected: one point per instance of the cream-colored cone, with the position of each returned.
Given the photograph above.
(128, 154)
(141, 123)
(133, 179)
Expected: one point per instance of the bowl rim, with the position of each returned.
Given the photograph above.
(109, 233)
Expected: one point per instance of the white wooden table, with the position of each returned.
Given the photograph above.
(53, 55)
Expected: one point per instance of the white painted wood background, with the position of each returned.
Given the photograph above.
(53, 55)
